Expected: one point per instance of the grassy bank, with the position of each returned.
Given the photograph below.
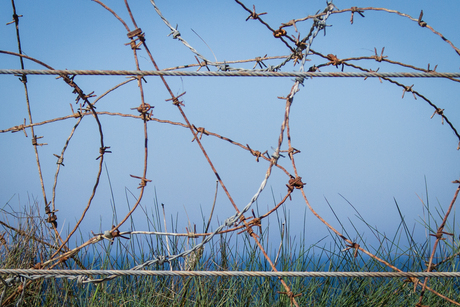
(27, 243)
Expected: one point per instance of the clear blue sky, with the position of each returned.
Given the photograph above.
(357, 138)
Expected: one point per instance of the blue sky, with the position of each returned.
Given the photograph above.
(357, 138)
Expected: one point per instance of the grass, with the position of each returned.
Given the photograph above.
(28, 243)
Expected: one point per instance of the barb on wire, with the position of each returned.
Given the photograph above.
(333, 60)
(176, 35)
(361, 10)
(23, 80)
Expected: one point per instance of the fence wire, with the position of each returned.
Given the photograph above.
(237, 73)
(299, 50)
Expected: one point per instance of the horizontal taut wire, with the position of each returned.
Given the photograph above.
(64, 273)
(238, 73)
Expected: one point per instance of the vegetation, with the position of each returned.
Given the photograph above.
(28, 240)
(27, 243)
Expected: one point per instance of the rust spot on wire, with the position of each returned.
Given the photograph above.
(420, 21)
(431, 70)
(279, 33)
(256, 153)
(259, 62)
(334, 60)
(76, 114)
(144, 109)
(200, 131)
(290, 294)
(380, 57)
(140, 37)
(19, 128)
(353, 245)
(202, 64)
(294, 183)
(116, 233)
(438, 235)
(175, 100)
(134, 33)
(52, 218)
(102, 151)
(354, 10)
(143, 182)
(254, 15)
(60, 159)
(371, 71)
(409, 89)
(292, 151)
(252, 222)
(289, 24)
(35, 143)
(15, 19)
(440, 112)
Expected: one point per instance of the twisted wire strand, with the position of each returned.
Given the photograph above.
(176, 35)
(245, 73)
(320, 24)
(30, 273)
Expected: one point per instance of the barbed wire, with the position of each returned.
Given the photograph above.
(298, 53)
(176, 35)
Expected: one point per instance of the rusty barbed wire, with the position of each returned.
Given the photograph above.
(51, 213)
(240, 214)
(257, 60)
(298, 53)
(23, 79)
(176, 35)
(379, 58)
(353, 245)
(276, 33)
(361, 10)
(334, 61)
(439, 236)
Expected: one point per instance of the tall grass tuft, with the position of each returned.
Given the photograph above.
(25, 241)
